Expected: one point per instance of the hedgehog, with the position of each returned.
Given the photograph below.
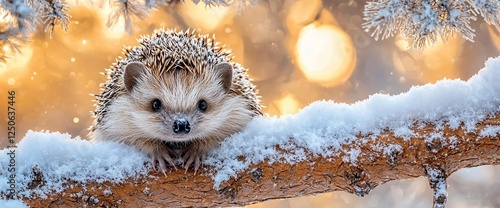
(176, 95)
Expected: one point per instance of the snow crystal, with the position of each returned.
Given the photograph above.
(107, 192)
(351, 156)
(146, 191)
(435, 136)
(490, 131)
(59, 157)
(392, 148)
(436, 177)
(320, 129)
(453, 141)
(404, 132)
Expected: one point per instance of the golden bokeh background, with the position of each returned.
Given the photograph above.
(297, 52)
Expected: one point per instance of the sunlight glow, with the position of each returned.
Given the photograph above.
(495, 38)
(117, 30)
(17, 61)
(203, 17)
(430, 64)
(326, 54)
(288, 105)
(303, 12)
(11, 81)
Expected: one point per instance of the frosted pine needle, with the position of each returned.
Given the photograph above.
(55, 11)
(130, 10)
(17, 25)
(20, 18)
(424, 21)
(489, 9)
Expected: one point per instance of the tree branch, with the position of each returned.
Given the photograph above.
(413, 157)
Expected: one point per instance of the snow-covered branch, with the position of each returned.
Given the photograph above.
(431, 130)
(423, 21)
(53, 12)
(375, 165)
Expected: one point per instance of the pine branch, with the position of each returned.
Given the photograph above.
(489, 9)
(17, 26)
(53, 12)
(21, 21)
(130, 10)
(424, 21)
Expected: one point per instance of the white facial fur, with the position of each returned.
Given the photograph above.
(131, 119)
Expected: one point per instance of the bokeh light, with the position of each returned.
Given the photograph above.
(204, 17)
(302, 13)
(287, 105)
(430, 64)
(494, 34)
(16, 61)
(11, 81)
(325, 54)
(115, 31)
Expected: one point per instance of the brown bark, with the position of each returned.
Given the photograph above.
(316, 175)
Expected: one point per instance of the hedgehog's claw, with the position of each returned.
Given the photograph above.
(160, 157)
(193, 157)
(153, 162)
(170, 161)
(163, 166)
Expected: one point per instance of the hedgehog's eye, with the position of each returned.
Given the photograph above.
(155, 105)
(202, 105)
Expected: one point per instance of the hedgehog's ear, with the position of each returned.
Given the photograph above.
(225, 71)
(132, 73)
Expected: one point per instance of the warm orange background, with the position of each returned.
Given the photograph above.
(297, 52)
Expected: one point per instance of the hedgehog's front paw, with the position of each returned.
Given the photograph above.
(195, 156)
(162, 155)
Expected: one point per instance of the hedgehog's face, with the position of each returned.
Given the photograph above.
(178, 105)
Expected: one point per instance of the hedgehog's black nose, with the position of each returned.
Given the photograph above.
(181, 126)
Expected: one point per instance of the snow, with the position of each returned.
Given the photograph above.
(324, 126)
(393, 148)
(404, 132)
(319, 129)
(60, 157)
(12, 204)
(439, 181)
(351, 156)
(490, 131)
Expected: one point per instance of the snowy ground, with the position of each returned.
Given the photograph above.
(321, 128)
